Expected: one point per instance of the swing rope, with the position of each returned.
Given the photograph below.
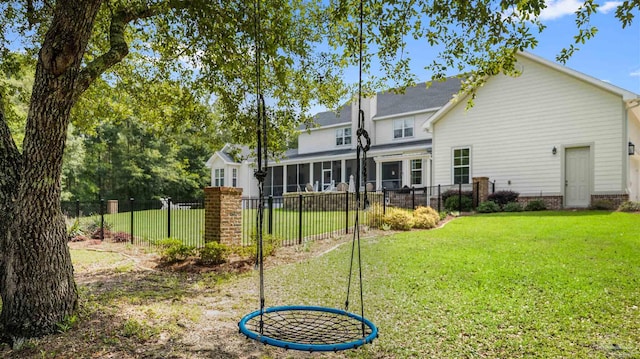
(363, 145)
(307, 328)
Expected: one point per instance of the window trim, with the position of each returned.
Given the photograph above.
(454, 166)
(418, 170)
(218, 177)
(404, 127)
(340, 135)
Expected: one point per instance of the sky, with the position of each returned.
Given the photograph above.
(613, 55)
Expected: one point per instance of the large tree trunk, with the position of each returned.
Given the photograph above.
(36, 279)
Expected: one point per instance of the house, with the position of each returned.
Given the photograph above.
(551, 133)
(326, 154)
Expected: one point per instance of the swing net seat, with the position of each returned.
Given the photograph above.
(308, 328)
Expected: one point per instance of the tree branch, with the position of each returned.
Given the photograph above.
(119, 48)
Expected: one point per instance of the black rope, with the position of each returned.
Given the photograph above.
(261, 152)
(364, 144)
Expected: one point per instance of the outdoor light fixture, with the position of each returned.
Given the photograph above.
(554, 150)
(632, 148)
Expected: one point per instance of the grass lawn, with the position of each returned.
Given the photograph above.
(544, 285)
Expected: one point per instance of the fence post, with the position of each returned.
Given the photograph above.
(168, 217)
(131, 209)
(384, 200)
(460, 197)
(270, 223)
(476, 187)
(439, 199)
(346, 211)
(300, 218)
(77, 208)
(413, 197)
(102, 219)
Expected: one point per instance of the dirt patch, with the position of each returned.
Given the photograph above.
(138, 307)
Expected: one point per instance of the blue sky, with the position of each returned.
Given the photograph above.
(612, 56)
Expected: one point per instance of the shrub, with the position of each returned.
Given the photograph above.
(74, 231)
(398, 219)
(213, 253)
(425, 217)
(270, 244)
(629, 206)
(602, 204)
(513, 207)
(488, 207)
(443, 215)
(503, 197)
(173, 250)
(454, 193)
(374, 215)
(452, 203)
(535, 205)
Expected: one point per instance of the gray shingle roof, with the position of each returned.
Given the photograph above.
(417, 97)
(329, 118)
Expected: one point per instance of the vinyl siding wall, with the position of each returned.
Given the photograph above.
(384, 129)
(516, 122)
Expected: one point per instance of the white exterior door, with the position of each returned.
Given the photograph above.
(577, 177)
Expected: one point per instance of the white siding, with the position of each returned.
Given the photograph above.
(384, 129)
(321, 139)
(516, 122)
(634, 161)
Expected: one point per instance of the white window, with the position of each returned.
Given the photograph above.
(343, 136)
(461, 165)
(403, 128)
(218, 177)
(416, 172)
(234, 177)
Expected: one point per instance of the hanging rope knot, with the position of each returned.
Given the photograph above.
(260, 175)
(364, 141)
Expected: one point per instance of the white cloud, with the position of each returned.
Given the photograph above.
(635, 73)
(609, 6)
(559, 8)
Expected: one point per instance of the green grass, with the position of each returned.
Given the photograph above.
(519, 285)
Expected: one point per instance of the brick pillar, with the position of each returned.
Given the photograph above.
(223, 215)
(480, 189)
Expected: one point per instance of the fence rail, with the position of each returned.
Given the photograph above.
(293, 218)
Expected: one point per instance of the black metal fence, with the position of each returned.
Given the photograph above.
(141, 222)
(293, 218)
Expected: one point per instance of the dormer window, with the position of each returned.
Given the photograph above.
(343, 136)
(403, 128)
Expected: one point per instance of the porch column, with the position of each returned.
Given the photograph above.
(284, 179)
(343, 171)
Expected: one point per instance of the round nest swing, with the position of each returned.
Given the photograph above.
(308, 328)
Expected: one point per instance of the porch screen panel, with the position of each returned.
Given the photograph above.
(350, 169)
(292, 178)
(317, 175)
(278, 181)
(371, 171)
(268, 182)
(303, 175)
(337, 172)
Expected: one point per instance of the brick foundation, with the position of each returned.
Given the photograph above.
(608, 200)
(552, 202)
(223, 215)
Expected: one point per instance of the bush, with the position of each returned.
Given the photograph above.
(452, 204)
(503, 197)
(213, 253)
(629, 206)
(173, 250)
(398, 219)
(374, 215)
(454, 193)
(270, 244)
(488, 207)
(425, 217)
(74, 231)
(513, 207)
(535, 205)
